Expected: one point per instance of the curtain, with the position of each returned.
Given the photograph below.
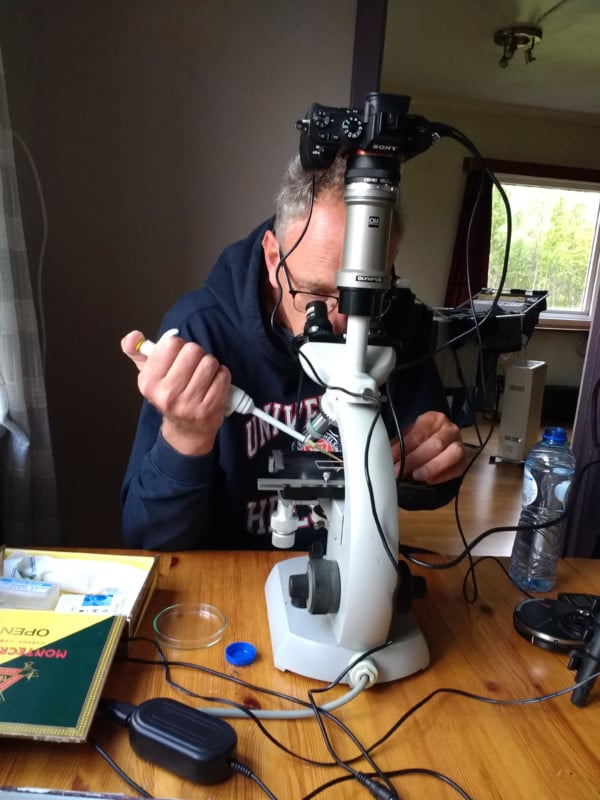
(27, 480)
(472, 243)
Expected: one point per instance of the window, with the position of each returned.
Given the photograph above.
(555, 239)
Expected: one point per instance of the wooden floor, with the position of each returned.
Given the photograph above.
(490, 496)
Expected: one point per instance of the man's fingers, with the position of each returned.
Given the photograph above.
(130, 345)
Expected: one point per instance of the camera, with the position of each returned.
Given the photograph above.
(561, 625)
(384, 127)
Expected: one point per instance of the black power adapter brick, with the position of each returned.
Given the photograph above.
(184, 740)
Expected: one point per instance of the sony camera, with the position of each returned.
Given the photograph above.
(384, 127)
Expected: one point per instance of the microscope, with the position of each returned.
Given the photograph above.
(327, 609)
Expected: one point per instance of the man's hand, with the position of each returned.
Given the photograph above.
(187, 386)
(434, 449)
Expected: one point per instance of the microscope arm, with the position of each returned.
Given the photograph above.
(325, 612)
(369, 512)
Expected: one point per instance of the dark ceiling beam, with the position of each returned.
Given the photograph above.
(369, 37)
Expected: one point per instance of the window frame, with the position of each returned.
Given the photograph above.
(562, 177)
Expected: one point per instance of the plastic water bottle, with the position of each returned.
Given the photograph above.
(548, 472)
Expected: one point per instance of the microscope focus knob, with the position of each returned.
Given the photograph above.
(318, 589)
(298, 590)
(324, 586)
(410, 587)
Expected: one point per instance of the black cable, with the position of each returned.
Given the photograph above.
(471, 570)
(470, 396)
(376, 790)
(283, 256)
(163, 662)
(363, 752)
(461, 138)
(396, 773)
(268, 735)
(402, 463)
(320, 381)
(577, 484)
(166, 664)
(386, 792)
(508, 528)
(453, 133)
(450, 132)
(244, 770)
(367, 780)
(547, 13)
(477, 540)
(122, 774)
(424, 701)
(478, 698)
(122, 712)
(469, 598)
(381, 533)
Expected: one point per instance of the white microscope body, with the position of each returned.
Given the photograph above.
(326, 612)
(321, 645)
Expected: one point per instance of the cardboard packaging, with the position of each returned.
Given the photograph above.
(54, 662)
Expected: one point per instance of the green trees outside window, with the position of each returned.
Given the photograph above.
(554, 242)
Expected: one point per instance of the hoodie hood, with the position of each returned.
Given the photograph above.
(228, 318)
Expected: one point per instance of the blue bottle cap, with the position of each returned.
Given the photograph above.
(240, 653)
(554, 435)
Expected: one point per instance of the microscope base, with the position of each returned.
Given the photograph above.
(304, 643)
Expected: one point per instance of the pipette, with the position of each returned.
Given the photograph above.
(238, 401)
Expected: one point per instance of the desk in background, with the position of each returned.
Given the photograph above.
(547, 750)
(468, 367)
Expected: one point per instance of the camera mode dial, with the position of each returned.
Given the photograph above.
(321, 119)
(352, 127)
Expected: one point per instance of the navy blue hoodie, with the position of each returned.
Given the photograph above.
(176, 502)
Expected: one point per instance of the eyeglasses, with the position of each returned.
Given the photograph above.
(302, 299)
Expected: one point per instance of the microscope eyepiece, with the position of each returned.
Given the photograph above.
(317, 320)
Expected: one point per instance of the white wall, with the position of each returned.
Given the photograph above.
(432, 188)
(160, 129)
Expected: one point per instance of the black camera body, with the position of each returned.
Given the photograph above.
(384, 127)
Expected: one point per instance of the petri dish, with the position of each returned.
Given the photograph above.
(189, 626)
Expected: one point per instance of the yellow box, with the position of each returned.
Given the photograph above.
(146, 563)
(43, 651)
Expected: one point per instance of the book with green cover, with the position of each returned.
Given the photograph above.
(53, 667)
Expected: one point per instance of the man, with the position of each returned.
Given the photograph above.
(191, 482)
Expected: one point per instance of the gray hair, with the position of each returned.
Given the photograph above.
(292, 201)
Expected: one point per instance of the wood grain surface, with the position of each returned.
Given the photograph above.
(544, 750)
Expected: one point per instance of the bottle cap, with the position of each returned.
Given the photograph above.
(555, 435)
(240, 653)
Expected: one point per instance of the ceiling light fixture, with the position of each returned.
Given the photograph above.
(518, 37)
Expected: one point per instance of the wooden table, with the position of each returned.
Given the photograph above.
(544, 750)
